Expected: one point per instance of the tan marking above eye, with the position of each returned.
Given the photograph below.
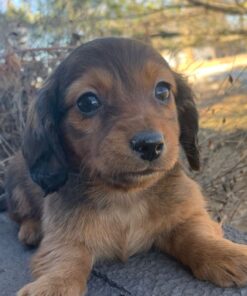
(155, 72)
(96, 80)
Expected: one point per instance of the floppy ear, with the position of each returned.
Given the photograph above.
(42, 148)
(188, 121)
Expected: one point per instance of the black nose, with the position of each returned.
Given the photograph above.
(148, 145)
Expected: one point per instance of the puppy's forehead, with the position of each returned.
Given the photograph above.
(121, 63)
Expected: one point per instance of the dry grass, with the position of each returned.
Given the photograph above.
(20, 76)
(223, 142)
(222, 103)
(227, 115)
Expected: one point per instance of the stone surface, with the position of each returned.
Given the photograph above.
(151, 274)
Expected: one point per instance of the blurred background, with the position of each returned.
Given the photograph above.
(204, 39)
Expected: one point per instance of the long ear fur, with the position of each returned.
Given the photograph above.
(42, 148)
(188, 121)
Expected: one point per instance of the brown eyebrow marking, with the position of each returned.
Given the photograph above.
(95, 79)
(152, 70)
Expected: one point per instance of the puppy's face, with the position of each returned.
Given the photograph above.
(117, 115)
(124, 131)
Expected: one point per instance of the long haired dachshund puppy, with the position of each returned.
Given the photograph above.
(102, 146)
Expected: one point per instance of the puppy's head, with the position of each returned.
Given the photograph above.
(115, 110)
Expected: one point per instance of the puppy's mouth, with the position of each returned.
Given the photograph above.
(137, 174)
(132, 179)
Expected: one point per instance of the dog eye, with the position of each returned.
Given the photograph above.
(88, 103)
(162, 91)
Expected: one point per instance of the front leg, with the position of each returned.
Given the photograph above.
(60, 269)
(198, 243)
(192, 237)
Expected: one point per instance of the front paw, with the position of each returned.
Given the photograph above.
(45, 286)
(30, 232)
(225, 264)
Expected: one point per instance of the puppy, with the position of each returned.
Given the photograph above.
(100, 168)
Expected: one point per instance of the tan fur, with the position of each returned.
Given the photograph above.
(30, 232)
(68, 266)
(92, 80)
(108, 208)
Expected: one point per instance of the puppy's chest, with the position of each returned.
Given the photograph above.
(120, 232)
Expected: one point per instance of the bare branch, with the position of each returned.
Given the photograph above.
(228, 9)
(165, 34)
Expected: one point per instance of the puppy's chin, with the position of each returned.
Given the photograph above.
(132, 181)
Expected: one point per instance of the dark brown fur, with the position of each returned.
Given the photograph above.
(98, 203)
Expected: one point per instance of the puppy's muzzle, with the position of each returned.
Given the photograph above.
(148, 145)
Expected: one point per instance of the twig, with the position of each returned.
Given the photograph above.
(229, 9)
(235, 209)
(227, 171)
(2, 162)
(5, 142)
